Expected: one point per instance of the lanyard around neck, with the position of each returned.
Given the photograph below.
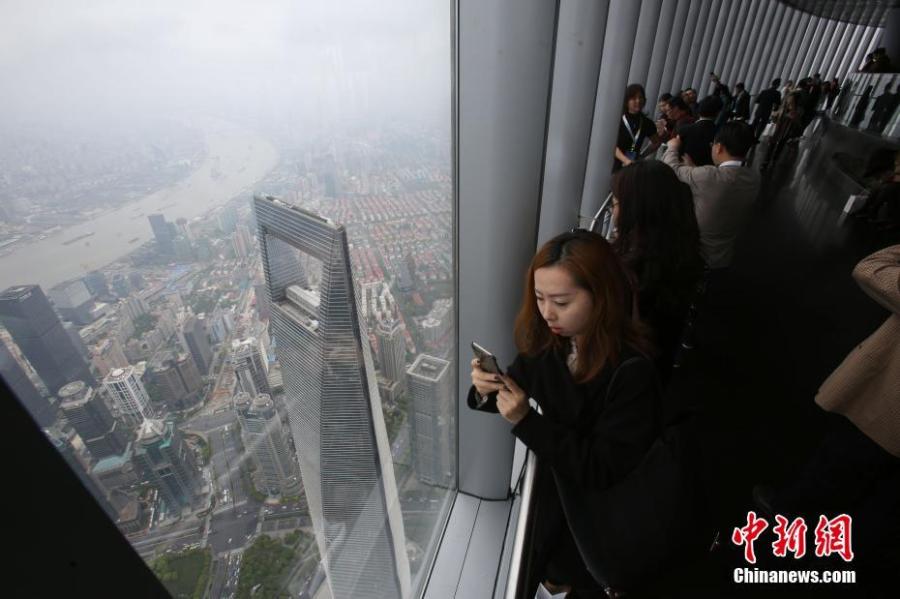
(634, 136)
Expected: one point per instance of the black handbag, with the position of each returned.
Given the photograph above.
(631, 533)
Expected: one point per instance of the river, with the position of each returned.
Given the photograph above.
(241, 157)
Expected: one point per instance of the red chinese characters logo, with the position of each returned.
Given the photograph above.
(831, 536)
(748, 534)
(790, 537)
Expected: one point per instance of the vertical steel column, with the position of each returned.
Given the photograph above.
(732, 71)
(776, 41)
(761, 44)
(643, 44)
(832, 57)
(748, 39)
(703, 19)
(789, 52)
(777, 63)
(825, 44)
(704, 59)
(718, 48)
(504, 64)
(660, 47)
(813, 48)
(576, 66)
(847, 54)
(668, 75)
(801, 48)
(618, 44)
(731, 43)
(687, 40)
(855, 42)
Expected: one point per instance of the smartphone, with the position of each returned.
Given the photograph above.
(486, 360)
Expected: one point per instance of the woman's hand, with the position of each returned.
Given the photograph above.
(485, 382)
(512, 401)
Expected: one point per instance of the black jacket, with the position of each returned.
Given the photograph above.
(742, 106)
(589, 433)
(767, 99)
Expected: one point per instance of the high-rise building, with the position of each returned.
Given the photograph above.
(127, 391)
(73, 301)
(262, 301)
(84, 409)
(276, 471)
(392, 350)
(430, 417)
(250, 366)
(163, 458)
(120, 285)
(195, 337)
(177, 379)
(42, 411)
(164, 232)
(240, 245)
(134, 306)
(227, 219)
(116, 472)
(184, 228)
(108, 355)
(37, 330)
(77, 342)
(63, 444)
(333, 405)
(96, 283)
(136, 279)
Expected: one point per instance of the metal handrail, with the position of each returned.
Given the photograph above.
(604, 217)
(515, 565)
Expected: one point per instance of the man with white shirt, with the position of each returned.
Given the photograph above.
(723, 192)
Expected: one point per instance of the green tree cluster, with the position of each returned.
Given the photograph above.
(143, 324)
(185, 574)
(265, 564)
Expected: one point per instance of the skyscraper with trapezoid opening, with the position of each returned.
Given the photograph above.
(333, 402)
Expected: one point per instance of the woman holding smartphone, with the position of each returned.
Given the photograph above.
(583, 359)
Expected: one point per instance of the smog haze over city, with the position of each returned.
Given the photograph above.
(136, 310)
(309, 64)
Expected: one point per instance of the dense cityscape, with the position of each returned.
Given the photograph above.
(160, 379)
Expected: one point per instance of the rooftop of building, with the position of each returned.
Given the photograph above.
(428, 367)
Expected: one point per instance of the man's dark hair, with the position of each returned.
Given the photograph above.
(776, 82)
(709, 106)
(739, 86)
(665, 97)
(677, 102)
(737, 138)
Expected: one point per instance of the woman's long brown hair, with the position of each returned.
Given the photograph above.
(591, 262)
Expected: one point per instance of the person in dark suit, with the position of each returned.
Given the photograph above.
(689, 96)
(859, 113)
(741, 103)
(697, 138)
(883, 110)
(679, 116)
(766, 102)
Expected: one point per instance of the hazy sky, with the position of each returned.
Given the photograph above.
(304, 62)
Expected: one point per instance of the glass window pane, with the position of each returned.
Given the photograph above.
(227, 280)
